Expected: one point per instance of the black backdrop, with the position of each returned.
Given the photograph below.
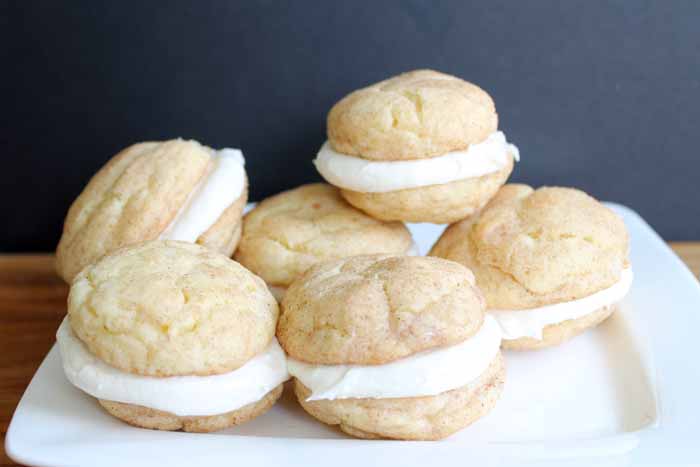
(599, 95)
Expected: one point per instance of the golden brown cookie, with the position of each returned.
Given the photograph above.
(539, 247)
(422, 146)
(171, 335)
(390, 312)
(371, 310)
(414, 115)
(136, 196)
(165, 308)
(288, 233)
(529, 249)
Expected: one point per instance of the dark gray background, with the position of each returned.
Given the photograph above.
(598, 95)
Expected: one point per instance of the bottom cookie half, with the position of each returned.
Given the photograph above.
(158, 420)
(410, 418)
(555, 334)
(439, 204)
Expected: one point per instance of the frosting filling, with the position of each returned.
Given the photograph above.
(218, 189)
(180, 395)
(532, 321)
(366, 176)
(424, 374)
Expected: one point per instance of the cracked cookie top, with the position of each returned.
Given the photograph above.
(288, 233)
(375, 309)
(415, 115)
(167, 308)
(131, 199)
(530, 248)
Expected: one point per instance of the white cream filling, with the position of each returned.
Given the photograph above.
(357, 174)
(531, 322)
(218, 189)
(180, 395)
(423, 374)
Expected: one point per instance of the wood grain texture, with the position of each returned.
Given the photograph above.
(32, 305)
(689, 253)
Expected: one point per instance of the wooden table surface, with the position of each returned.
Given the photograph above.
(32, 305)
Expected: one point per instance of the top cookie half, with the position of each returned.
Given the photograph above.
(530, 248)
(375, 309)
(168, 308)
(288, 233)
(415, 115)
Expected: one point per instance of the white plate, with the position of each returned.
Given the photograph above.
(599, 396)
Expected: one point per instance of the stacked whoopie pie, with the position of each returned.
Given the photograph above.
(420, 147)
(168, 332)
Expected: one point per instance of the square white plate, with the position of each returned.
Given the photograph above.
(625, 392)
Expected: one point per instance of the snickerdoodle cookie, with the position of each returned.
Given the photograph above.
(422, 146)
(391, 346)
(171, 335)
(550, 262)
(288, 233)
(171, 190)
